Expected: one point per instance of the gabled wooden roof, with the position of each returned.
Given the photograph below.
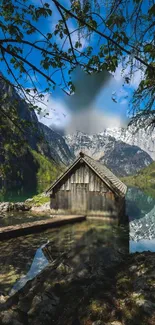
(102, 171)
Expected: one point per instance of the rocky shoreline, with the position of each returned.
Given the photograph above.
(28, 205)
(69, 292)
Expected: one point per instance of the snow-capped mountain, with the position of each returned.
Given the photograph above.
(123, 159)
(145, 139)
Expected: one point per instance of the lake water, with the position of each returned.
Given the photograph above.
(18, 218)
(24, 257)
(18, 193)
(141, 211)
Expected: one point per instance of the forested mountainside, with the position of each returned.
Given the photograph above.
(25, 144)
(123, 159)
(144, 179)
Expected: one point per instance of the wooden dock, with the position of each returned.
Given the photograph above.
(38, 226)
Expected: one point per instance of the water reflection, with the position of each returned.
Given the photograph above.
(17, 218)
(22, 258)
(142, 245)
(141, 212)
(18, 193)
(138, 203)
(38, 264)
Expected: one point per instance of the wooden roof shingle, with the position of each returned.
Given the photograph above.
(112, 181)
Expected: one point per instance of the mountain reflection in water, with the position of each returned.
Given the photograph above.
(141, 212)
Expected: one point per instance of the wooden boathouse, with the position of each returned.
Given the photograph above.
(88, 187)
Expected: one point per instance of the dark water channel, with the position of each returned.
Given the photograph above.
(21, 259)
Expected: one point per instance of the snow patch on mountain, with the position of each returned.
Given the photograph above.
(145, 139)
(122, 158)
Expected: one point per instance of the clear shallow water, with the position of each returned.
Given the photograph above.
(18, 218)
(23, 258)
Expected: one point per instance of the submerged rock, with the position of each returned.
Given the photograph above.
(96, 287)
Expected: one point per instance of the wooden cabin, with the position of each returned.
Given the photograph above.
(88, 187)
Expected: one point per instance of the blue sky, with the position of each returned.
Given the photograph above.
(105, 112)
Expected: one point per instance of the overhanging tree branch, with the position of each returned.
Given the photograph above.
(31, 65)
(102, 34)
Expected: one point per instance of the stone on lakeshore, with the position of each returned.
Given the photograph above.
(8, 316)
(133, 268)
(16, 322)
(3, 299)
(147, 305)
(9, 206)
(42, 309)
(29, 200)
(6, 206)
(42, 208)
(20, 206)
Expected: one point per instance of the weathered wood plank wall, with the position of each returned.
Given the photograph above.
(83, 191)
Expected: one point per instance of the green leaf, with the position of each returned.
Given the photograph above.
(49, 36)
(147, 48)
(152, 10)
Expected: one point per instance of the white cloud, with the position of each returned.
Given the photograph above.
(93, 121)
(124, 102)
(75, 37)
(118, 73)
(58, 114)
(136, 77)
(100, 113)
(52, 111)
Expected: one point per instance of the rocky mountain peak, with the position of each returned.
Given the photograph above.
(122, 158)
(133, 135)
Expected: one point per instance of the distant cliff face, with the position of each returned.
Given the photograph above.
(39, 137)
(14, 105)
(145, 139)
(123, 159)
(57, 145)
(29, 151)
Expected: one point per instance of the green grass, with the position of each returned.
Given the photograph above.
(144, 179)
(39, 200)
(47, 172)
